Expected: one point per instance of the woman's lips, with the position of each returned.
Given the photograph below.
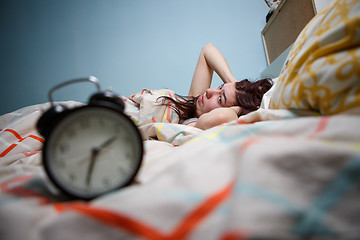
(201, 98)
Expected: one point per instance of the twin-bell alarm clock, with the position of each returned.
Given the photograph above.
(92, 149)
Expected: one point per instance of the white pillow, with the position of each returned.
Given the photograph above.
(322, 72)
(267, 96)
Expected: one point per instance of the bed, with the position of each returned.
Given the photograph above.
(290, 170)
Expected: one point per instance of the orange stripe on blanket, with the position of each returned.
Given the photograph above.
(249, 143)
(238, 235)
(321, 126)
(24, 192)
(14, 133)
(13, 187)
(170, 94)
(138, 228)
(111, 218)
(194, 218)
(168, 114)
(17, 135)
(36, 138)
(7, 185)
(28, 154)
(6, 151)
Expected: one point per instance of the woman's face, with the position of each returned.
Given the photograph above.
(223, 96)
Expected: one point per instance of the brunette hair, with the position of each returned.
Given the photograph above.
(248, 94)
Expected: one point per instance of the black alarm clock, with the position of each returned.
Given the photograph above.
(91, 149)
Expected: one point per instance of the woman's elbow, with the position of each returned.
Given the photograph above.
(207, 47)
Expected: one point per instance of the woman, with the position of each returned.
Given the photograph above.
(207, 107)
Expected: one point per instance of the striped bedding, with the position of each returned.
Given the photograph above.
(272, 174)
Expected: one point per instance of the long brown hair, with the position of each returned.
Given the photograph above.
(248, 94)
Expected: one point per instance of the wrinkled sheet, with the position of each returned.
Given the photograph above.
(156, 120)
(272, 174)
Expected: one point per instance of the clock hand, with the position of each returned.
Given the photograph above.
(94, 153)
(106, 143)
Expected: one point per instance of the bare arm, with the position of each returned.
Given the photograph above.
(210, 60)
(216, 117)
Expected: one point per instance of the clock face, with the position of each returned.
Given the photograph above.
(93, 150)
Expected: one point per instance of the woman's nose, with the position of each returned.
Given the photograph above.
(210, 92)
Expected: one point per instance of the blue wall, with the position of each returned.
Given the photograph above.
(128, 44)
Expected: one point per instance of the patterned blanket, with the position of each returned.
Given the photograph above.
(272, 174)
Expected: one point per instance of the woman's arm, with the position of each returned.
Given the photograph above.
(216, 117)
(210, 60)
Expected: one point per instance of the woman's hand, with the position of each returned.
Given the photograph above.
(216, 117)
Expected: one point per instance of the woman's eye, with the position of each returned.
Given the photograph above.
(221, 86)
(219, 99)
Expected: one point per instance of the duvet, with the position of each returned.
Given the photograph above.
(272, 174)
